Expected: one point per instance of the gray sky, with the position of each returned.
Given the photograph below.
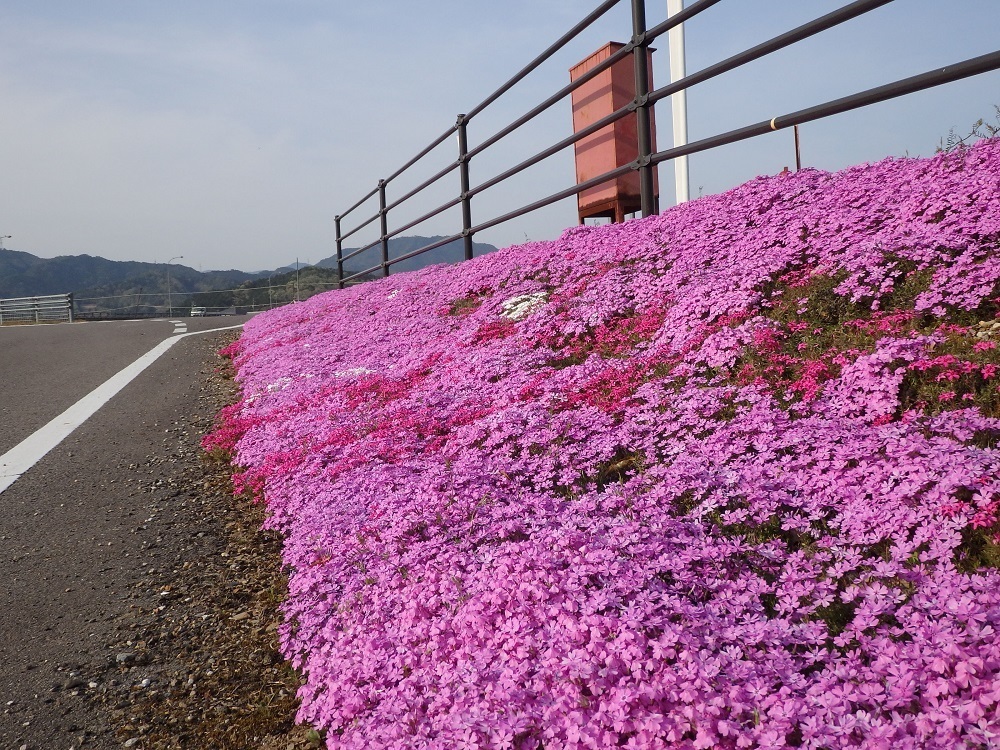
(232, 133)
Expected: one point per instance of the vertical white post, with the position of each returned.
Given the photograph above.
(678, 101)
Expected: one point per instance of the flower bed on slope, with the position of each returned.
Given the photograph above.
(725, 477)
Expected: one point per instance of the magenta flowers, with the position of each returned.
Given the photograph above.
(725, 477)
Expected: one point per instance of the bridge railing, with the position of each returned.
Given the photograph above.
(53, 308)
(640, 108)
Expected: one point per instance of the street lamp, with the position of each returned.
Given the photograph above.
(170, 305)
(4, 237)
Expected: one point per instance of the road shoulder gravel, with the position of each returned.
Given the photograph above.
(196, 662)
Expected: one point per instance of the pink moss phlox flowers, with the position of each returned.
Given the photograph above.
(621, 490)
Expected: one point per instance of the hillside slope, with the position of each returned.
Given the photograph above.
(23, 274)
(724, 477)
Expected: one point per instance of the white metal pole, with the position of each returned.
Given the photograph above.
(678, 101)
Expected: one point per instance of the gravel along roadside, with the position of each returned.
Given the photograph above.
(196, 663)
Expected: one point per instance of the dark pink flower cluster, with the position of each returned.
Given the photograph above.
(683, 482)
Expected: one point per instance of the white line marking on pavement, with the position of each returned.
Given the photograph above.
(30, 451)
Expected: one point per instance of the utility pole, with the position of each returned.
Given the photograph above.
(678, 101)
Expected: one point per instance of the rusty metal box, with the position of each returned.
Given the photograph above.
(612, 146)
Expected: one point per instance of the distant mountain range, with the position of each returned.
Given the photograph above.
(24, 275)
(99, 281)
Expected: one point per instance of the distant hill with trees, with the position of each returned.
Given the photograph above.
(117, 287)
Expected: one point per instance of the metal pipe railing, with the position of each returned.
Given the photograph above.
(424, 185)
(621, 54)
(433, 145)
(358, 251)
(556, 197)
(358, 204)
(677, 19)
(551, 150)
(930, 79)
(641, 105)
(781, 41)
(426, 248)
(555, 47)
(361, 226)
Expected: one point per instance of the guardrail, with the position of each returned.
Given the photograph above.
(178, 312)
(53, 308)
(640, 108)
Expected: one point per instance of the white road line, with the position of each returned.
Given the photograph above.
(30, 451)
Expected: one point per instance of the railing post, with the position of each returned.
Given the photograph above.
(384, 226)
(643, 125)
(71, 307)
(340, 253)
(463, 170)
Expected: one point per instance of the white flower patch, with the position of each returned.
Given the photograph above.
(392, 294)
(522, 305)
(352, 372)
(278, 385)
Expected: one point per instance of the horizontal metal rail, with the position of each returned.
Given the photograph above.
(361, 226)
(426, 248)
(424, 185)
(430, 147)
(556, 197)
(433, 145)
(412, 254)
(533, 65)
(429, 215)
(930, 79)
(359, 274)
(685, 15)
(399, 201)
(360, 250)
(554, 149)
(621, 54)
(370, 195)
(781, 41)
(47, 308)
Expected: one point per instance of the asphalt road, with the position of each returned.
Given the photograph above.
(79, 529)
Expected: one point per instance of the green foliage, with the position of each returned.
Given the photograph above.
(979, 549)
